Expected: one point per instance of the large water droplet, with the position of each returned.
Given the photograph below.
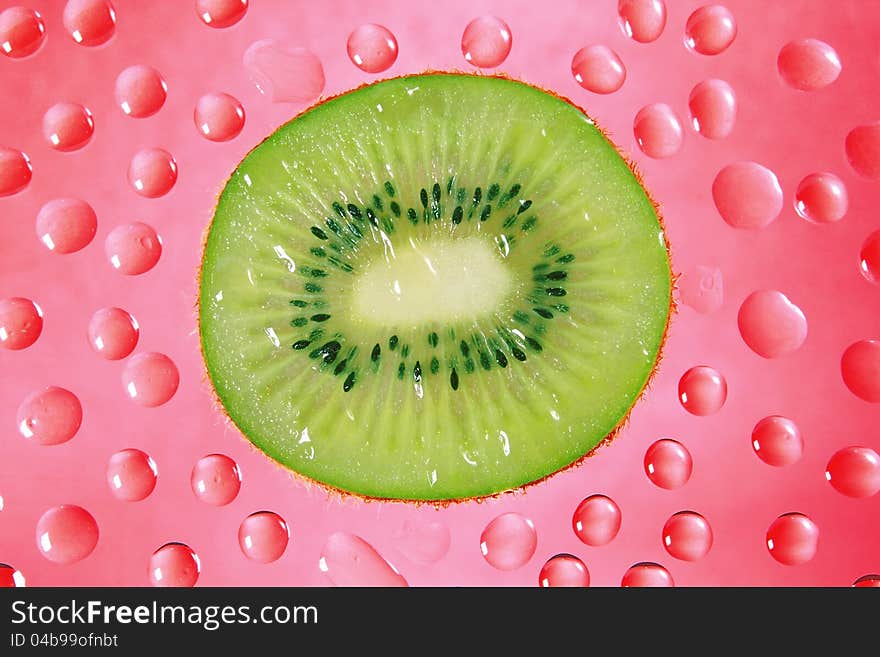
(869, 257)
(747, 195)
(22, 32)
(777, 441)
(263, 536)
(821, 198)
(564, 570)
(89, 22)
(285, 75)
(793, 539)
(221, 13)
(140, 91)
(770, 324)
(867, 581)
(348, 560)
(174, 564)
(509, 541)
(658, 131)
(486, 41)
(150, 379)
(702, 390)
(131, 475)
(68, 126)
(152, 172)
(423, 541)
(863, 150)
(133, 249)
(642, 20)
(66, 225)
(216, 479)
(710, 30)
(808, 64)
(860, 368)
(596, 520)
(15, 171)
(597, 68)
(218, 117)
(647, 574)
(21, 322)
(712, 105)
(687, 536)
(854, 471)
(372, 48)
(113, 333)
(66, 534)
(50, 416)
(668, 464)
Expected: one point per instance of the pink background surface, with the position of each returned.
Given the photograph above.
(792, 133)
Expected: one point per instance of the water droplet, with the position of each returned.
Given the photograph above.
(710, 30)
(747, 195)
(285, 75)
(21, 322)
(263, 536)
(808, 64)
(140, 91)
(15, 171)
(869, 257)
(348, 560)
(22, 32)
(133, 249)
(219, 117)
(89, 22)
(598, 69)
(642, 20)
(372, 48)
(647, 575)
(687, 536)
(863, 150)
(564, 570)
(702, 288)
(777, 441)
(423, 541)
(150, 379)
(770, 324)
(668, 464)
(216, 479)
(509, 541)
(793, 539)
(658, 131)
(221, 13)
(68, 126)
(712, 105)
(66, 534)
(131, 475)
(867, 581)
(174, 564)
(50, 416)
(860, 368)
(10, 577)
(486, 41)
(66, 225)
(152, 172)
(821, 198)
(113, 333)
(854, 471)
(702, 390)
(596, 520)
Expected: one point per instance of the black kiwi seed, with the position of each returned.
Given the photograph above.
(457, 215)
(301, 344)
(389, 188)
(534, 344)
(465, 350)
(478, 195)
(340, 367)
(377, 351)
(500, 358)
(313, 288)
(523, 206)
(392, 342)
(320, 234)
(349, 382)
(395, 208)
(556, 291)
(401, 370)
(435, 193)
(417, 372)
(433, 339)
(299, 303)
(556, 276)
(299, 321)
(423, 196)
(412, 216)
(338, 209)
(377, 203)
(494, 189)
(320, 317)
(543, 312)
(518, 354)
(354, 211)
(453, 379)
(484, 215)
(568, 257)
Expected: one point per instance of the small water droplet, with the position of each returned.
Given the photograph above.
(66, 225)
(747, 195)
(221, 13)
(596, 520)
(133, 249)
(687, 536)
(702, 288)
(854, 471)
(712, 105)
(68, 126)
(174, 564)
(66, 534)
(21, 322)
(710, 30)
(770, 324)
(597, 68)
(863, 150)
(263, 536)
(113, 333)
(152, 172)
(140, 91)
(821, 198)
(89, 22)
(869, 257)
(777, 441)
(372, 48)
(702, 390)
(216, 479)
(668, 464)
(808, 64)
(642, 20)
(10, 577)
(22, 32)
(348, 560)
(860, 368)
(150, 379)
(867, 581)
(564, 570)
(647, 574)
(658, 131)
(218, 117)
(423, 541)
(792, 539)
(286, 75)
(50, 416)
(15, 171)
(131, 475)
(486, 41)
(509, 541)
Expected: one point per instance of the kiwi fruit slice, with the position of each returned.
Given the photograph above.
(434, 287)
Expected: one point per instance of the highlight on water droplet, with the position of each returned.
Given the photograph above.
(860, 368)
(22, 32)
(863, 150)
(21, 322)
(702, 288)
(702, 390)
(647, 575)
(66, 534)
(150, 379)
(221, 13)
(66, 225)
(49, 416)
(668, 464)
(747, 195)
(596, 520)
(286, 75)
(869, 257)
(509, 541)
(793, 539)
(131, 475)
(642, 20)
(348, 560)
(133, 249)
(152, 172)
(10, 577)
(770, 324)
(15, 171)
(218, 116)
(710, 30)
(486, 42)
(808, 64)
(712, 105)
(174, 564)
(216, 479)
(854, 471)
(867, 581)
(263, 536)
(423, 541)
(89, 22)
(68, 126)
(777, 441)
(658, 131)
(372, 48)
(140, 91)
(599, 69)
(564, 570)
(113, 333)
(687, 536)
(821, 198)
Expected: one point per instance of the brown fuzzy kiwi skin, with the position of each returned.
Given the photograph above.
(343, 495)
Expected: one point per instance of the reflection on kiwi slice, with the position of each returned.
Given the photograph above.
(434, 287)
